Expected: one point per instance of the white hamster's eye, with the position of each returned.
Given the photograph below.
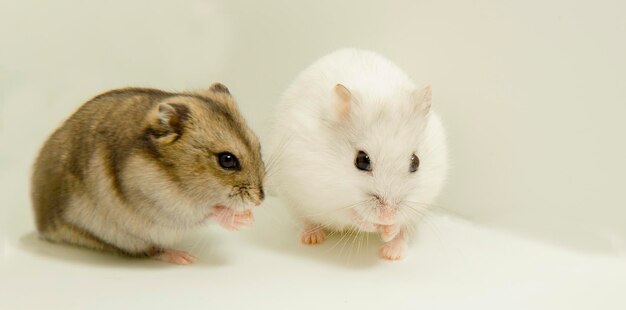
(362, 161)
(228, 161)
(415, 163)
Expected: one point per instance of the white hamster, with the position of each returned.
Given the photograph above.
(356, 145)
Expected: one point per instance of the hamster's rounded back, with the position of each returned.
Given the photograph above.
(347, 103)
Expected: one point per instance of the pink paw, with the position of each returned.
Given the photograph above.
(312, 235)
(394, 250)
(388, 232)
(176, 257)
(232, 220)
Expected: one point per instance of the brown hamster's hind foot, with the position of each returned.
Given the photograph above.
(312, 234)
(175, 257)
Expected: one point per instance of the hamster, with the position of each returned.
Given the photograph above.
(132, 169)
(356, 146)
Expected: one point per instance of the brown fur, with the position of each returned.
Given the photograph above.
(133, 167)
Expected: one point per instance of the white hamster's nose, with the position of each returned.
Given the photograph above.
(379, 199)
(385, 211)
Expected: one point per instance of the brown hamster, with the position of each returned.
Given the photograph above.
(134, 168)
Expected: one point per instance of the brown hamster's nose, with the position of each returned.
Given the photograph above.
(259, 200)
(261, 193)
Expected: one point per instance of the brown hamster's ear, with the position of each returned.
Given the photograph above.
(344, 101)
(170, 120)
(219, 88)
(424, 100)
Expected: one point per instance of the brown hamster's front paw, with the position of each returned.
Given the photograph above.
(312, 234)
(231, 219)
(388, 232)
(175, 257)
(395, 249)
(244, 219)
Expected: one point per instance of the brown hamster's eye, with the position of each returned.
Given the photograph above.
(415, 163)
(362, 161)
(228, 161)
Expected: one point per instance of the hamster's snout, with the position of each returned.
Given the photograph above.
(259, 197)
(385, 211)
(386, 214)
(249, 194)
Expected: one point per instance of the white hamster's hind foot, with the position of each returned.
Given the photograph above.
(175, 257)
(396, 248)
(312, 234)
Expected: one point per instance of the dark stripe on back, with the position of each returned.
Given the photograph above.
(237, 125)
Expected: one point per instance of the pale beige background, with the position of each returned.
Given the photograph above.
(533, 93)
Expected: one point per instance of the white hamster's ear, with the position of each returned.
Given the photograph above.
(168, 121)
(424, 100)
(344, 101)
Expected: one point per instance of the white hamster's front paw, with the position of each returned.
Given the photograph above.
(395, 249)
(388, 232)
(176, 257)
(231, 219)
(312, 234)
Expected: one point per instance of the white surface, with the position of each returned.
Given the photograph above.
(532, 94)
(452, 265)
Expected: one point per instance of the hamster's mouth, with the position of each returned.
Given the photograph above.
(383, 222)
(369, 225)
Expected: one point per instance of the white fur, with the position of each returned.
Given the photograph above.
(313, 151)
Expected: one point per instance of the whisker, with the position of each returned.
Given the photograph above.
(354, 205)
(350, 232)
(343, 235)
(319, 227)
(435, 206)
(354, 240)
(277, 153)
(426, 219)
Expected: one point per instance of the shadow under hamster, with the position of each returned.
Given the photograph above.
(32, 243)
(277, 231)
